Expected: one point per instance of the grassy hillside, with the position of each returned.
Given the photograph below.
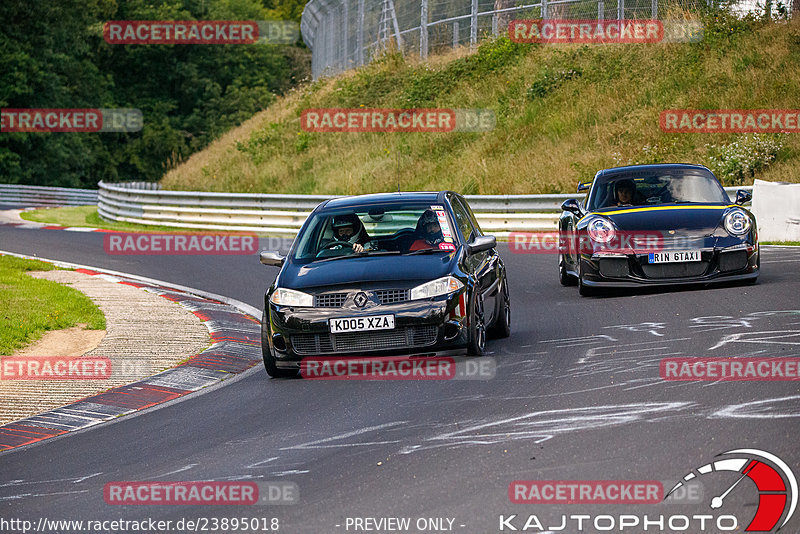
(563, 112)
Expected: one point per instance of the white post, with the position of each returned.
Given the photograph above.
(360, 33)
(473, 24)
(423, 29)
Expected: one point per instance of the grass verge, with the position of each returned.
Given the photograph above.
(32, 306)
(563, 112)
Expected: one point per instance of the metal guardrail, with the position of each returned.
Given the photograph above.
(41, 196)
(285, 214)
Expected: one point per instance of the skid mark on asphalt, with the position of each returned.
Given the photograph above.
(543, 425)
(577, 341)
(776, 408)
(651, 328)
(326, 443)
(770, 337)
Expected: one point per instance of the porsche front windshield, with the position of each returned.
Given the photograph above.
(650, 188)
(390, 228)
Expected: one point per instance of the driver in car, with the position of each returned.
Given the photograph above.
(349, 229)
(429, 232)
(625, 191)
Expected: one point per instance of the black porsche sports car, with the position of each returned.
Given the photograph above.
(384, 274)
(656, 224)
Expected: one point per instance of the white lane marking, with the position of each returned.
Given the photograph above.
(318, 443)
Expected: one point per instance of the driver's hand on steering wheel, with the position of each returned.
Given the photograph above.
(358, 248)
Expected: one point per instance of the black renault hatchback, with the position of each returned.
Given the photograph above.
(384, 274)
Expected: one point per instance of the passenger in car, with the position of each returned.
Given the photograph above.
(429, 232)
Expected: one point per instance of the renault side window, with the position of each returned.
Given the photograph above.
(462, 219)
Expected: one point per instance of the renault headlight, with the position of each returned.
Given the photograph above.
(737, 222)
(290, 297)
(434, 288)
(601, 230)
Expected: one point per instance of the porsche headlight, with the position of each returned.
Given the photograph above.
(601, 230)
(434, 288)
(737, 222)
(290, 297)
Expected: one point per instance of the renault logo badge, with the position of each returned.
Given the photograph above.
(360, 299)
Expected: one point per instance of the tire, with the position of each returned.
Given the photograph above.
(477, 328)
(563, 276)
(583, 289)
(270, 364)
(502, 326)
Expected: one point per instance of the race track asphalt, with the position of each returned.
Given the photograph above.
(577, 396)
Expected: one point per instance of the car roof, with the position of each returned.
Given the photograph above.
(651, 167)
(385, 198)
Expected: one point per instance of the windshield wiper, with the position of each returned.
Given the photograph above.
(359, 255)
(426, 251)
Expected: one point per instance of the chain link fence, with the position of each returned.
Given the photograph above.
(343, 34)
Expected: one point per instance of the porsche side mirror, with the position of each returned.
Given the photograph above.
(743, 196)
(571, 205)
(271, 257)
(479, 244)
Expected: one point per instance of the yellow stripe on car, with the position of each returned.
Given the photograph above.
(658, 208)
